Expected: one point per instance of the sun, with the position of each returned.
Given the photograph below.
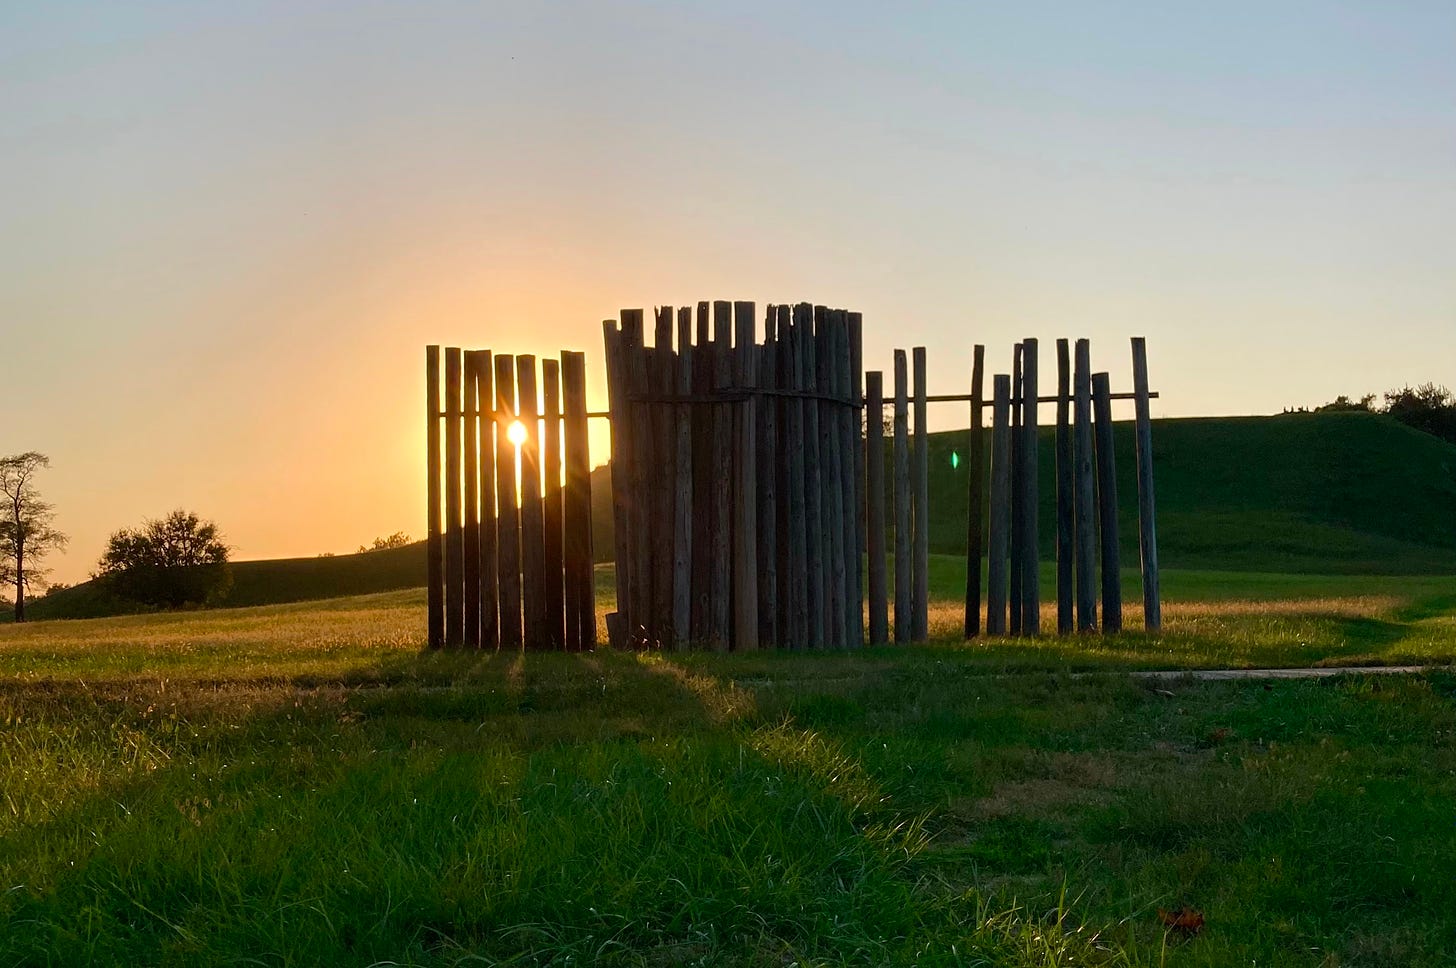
(516, 432)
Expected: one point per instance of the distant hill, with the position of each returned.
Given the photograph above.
(1304, 492)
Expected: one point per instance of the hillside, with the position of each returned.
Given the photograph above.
(1352, 493)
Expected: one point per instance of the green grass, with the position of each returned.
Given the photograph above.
(301, 784)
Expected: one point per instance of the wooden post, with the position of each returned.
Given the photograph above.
(553, 508)
(1031, 496)
(1065, 541)
(767, 462)
(1107, 506)
(434, 550)
(621, 466)
(1085, 504)
(832, 498)
(471, 471)
(976, 496)
(875, 505)
(721, 588)
(682, 543)
(508, 516)
(580, 595)
(639, 508)
(797, 528)
(846, 418)
(920, 496)
(704, 478)
(745, 518)
(904, 591)
(454, 530)
(481, 370)
(813, 491)
(1147, 526)
(856, 373)
(533, 525)
(663, 380)
(1000, 518)
(1017, 495)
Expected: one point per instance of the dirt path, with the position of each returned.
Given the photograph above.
(1209, 675)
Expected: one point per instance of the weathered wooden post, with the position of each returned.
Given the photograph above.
(1147, 526)
(618, 623)
(1000, 522)
(813, 475)
(682, 540)
(454, 537)
(847, 476)
(1066, 620)
(508, 520)
(1085, 503)
(767, 464)
(434, 550)
(533, 527)
(745, 518)
(720, 614)
(662, 380)
(856, 369)
(471, 471)
(1031, 497)
(875, 506)
(976, 497)
(1107, 506)
(920, 491)
(904, 592)
(796, 409)
(581, 612)
(482, 373)
(1017, 495)
(552, 507)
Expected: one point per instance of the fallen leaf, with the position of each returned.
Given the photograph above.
(1185, 920)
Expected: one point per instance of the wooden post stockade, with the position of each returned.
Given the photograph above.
(1087, 542)
(492, 552)
(737, 477)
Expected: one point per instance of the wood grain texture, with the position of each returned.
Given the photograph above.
(1147, 518)
(1107, 506)
(999, 525)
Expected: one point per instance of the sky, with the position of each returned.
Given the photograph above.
(229, 229)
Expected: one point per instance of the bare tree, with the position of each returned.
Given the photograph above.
(26, 535)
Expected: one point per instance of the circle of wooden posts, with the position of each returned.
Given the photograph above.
(749, 482)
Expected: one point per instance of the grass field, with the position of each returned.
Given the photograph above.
(300, 784)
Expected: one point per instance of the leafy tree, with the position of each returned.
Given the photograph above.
(1344, 403)
(1427, 407)
(26, 535)
(397, 540)
(168, 562)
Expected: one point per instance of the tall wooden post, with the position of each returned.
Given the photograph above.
(875, 505)
(533, 526)
(796, 411)
(767, 462)
(1017, 495)
(1000, 519)
(482, 370)
(553, 508)
(745, 516)
(813, 482)
(1147, 525)
(1085, 504)
(434, 550)
(508, 517)
(1065, 502)
(721, 589)
(856, 370)
(662, 381)
(580, 595)
(846, 420)
(639, 508)
(682, 554)
(454, 529)
(621, 466)
(920, 489)
(1107, 506)
(976, 496)
(1031, 496)
(705, 476)
(904, 591)
(835, 633)
(471, 471)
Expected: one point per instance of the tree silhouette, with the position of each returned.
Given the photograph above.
(167, 562)
(26, 535)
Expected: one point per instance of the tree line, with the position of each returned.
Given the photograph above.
(1429, 407)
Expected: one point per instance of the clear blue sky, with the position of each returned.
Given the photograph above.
(228, 229)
